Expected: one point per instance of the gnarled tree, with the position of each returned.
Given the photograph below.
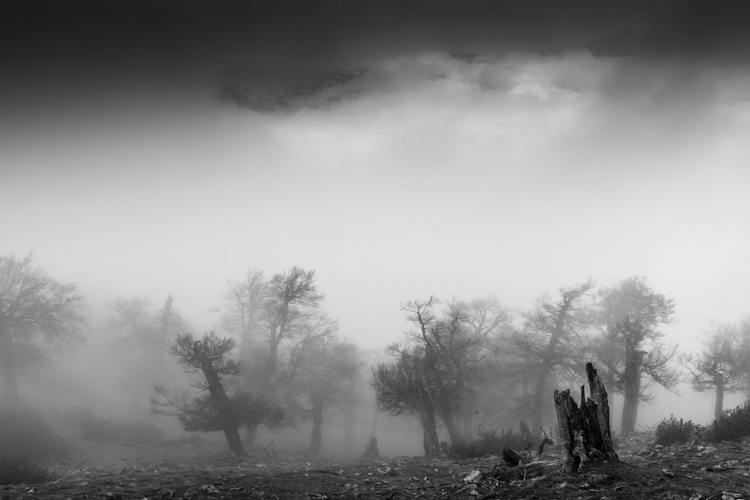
(216, 409)
(434, 370)
(403, 387)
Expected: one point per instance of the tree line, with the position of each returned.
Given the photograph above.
(476, 357)
(277, 359)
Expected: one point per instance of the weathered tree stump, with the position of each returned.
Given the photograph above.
(511, 457)
(584, 431)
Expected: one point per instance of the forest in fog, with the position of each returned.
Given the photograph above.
(277, 367)
(374, 249)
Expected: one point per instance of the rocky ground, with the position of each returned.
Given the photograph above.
(694, 471)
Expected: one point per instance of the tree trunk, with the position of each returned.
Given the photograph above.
(317, 419)
(429, 432)
(251, 432)
(223, 403)
(632, 394)
(347, 437)
(235, 442)
(468, 424)
(719, 406)
(166, 316)
(266, 388)
(8, 366)
(371, 449)
(450, 424)
(584, 431)
(547, 364)
(539, 391)
(374, 425)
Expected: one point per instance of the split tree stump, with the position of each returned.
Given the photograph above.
(584, 431)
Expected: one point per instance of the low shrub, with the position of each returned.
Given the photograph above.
(488, 442)
(734, 424)
(671, 430)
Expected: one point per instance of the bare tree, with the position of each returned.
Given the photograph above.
(293, 295)
(631, 346)
(551, 341)
(402, 388)
(242, 312)
(435, 369)
(717, 365)
(36, 312)
(323, 374)
(444, 345)
(487, 323)
(264, 315)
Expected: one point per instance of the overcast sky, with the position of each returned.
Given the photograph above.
(596, 141)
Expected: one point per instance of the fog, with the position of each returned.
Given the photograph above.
(580, 142)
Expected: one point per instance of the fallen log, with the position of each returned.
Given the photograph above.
(584, 431)
(505, 472)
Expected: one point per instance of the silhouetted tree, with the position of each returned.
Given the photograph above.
(445, 346)
(216, 409)
(323, 372)
(487, 323)
(36, 312)
(717, 365)
(293, 295)
(402, 387)
(551, 342)
(631, 345)
(434, 371)
(273, 312)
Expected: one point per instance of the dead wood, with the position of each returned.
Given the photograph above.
(584, 431)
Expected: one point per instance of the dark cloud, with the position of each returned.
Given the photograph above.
(173, 34)
(102, 32)
(75, 50)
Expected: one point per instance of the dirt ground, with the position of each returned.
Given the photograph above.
(692, 471)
